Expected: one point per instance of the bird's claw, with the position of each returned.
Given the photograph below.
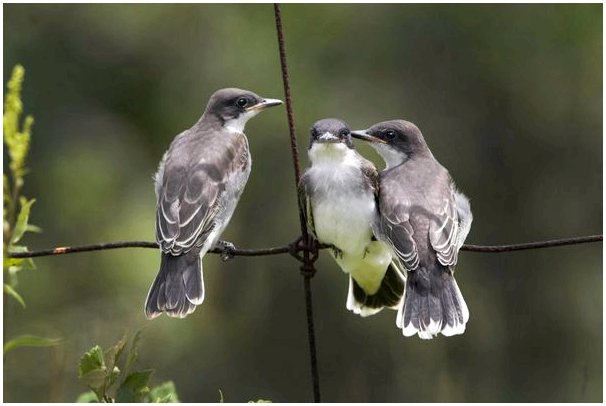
(227, 250)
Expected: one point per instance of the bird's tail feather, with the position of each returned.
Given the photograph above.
(388, 295)
(432, 304)
(178, 287)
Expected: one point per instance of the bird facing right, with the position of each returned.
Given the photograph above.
(425, 220)
(199, 182)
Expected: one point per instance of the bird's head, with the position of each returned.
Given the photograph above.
(330, 131)
(234, 107)
(395, 140)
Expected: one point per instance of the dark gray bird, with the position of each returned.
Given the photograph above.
(339, 191)
(198, 184)
(425, 220)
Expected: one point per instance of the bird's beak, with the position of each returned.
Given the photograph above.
(265, 103)
(364, 136)
(328, 137)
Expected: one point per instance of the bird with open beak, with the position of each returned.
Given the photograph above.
(425, 221)
(198, 185)
(339, 192)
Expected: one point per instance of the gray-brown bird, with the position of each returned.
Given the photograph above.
(198, 185)
(425, 220)
(339, 191)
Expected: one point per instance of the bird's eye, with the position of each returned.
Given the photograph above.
(343, 132)
(390, 134)
(242, 102)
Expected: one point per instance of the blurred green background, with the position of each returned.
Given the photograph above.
(509, 98)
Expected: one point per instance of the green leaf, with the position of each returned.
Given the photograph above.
(15, 265)
(92, 359)
(16, 135)
(28, 264)
(13, 293)
(12, 263)
(164, 393)
(133, 352)
(6, 187)
(112, 377)
(17, 248)
(22, 219)
(88, 397)
(33, 229)
(111, 359)
(30, 341)
(93, 372)
(95, 379)
(134, 387)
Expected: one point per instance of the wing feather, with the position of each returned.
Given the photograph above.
(444, 230)
(394, 227)
(305, 202)
(193, 187)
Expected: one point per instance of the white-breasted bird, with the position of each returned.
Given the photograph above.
(425, 220)
(339, 191)
(198, 185)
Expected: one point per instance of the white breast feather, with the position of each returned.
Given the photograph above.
(342, 213)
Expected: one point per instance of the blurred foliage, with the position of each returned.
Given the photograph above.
(17, 137)
(509, 99)
(30, 341)
(110, 377)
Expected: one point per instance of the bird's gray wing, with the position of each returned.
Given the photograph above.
(394, 226)
(465, 217)
(444, 226)
(305, 202)
(371, 175)
(192, 192)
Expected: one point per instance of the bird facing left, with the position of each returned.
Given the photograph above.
(198, 184)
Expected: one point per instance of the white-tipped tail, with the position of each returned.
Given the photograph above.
(428, 309)
(357, 307)
(389, 294)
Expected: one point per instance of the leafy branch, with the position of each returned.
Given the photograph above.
(109, 378)
(17, 138)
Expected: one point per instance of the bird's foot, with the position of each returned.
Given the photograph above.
(227, 250)
(337, 253)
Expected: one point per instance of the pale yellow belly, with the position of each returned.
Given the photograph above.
(367, 269)
(345, 223)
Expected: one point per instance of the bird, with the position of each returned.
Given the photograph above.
(198, 184)
(339, 195)
(425, 219)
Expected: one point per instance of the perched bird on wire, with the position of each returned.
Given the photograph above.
(425, 220)
(339, 192)
(198, 184)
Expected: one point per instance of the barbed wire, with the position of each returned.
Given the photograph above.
(310, 255)
(297, 246)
